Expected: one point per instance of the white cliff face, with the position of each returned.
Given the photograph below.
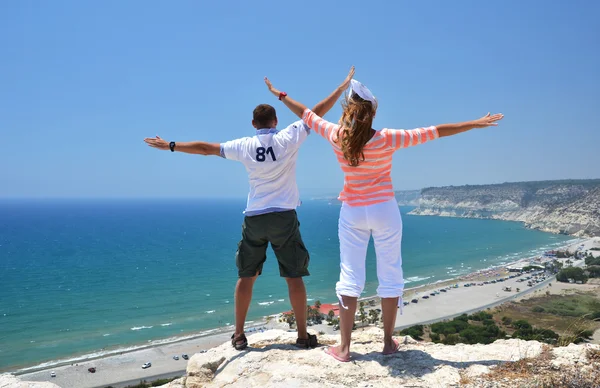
(272, 361)
(567, 207)
(408, 198)
(10, 381)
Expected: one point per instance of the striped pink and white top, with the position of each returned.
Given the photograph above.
(369, 182)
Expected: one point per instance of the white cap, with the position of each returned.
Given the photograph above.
(362, 91)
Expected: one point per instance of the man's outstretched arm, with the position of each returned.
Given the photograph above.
(325, 105)
(189, 147)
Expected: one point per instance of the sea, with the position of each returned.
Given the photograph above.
(85, 278)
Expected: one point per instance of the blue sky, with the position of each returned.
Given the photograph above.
(82, 83)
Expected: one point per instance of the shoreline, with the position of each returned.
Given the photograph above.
(122, 366)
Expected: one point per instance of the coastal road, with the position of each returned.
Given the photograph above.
(472, 310)
(149, 379)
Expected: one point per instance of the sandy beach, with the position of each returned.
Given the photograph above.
(123, 369)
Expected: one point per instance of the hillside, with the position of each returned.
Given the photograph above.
(408, 197)
(567, 207)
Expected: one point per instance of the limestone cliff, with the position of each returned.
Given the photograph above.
(567, 207)
(272, 360)
(10, 381)
(408, 197)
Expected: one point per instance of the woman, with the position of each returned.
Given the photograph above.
(369, 206)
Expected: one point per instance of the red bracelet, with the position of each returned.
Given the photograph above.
(281, 95)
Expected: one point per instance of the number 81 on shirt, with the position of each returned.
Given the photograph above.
(262, 152)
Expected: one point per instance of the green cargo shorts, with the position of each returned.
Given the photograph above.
(282, 230)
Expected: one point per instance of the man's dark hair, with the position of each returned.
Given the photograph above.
(264, 115)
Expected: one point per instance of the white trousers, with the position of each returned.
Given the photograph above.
(355, 227)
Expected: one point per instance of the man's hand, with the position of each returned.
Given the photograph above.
(346, 82)
(157, 142)
(271, 88)
(488, 120)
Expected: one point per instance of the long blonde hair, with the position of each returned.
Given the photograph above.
(355, 128)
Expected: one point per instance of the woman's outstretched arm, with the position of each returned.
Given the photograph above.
(322, 107)
(400, 138)
(453, 129)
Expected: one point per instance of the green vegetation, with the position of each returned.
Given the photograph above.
(314, 314)
(289, 318)
(578, 306)
(563, 254)
(330, 315)
(415, 332)
(524, 330)
(561, 313)
(559, 320)
(554, 266)
(373, 316)
(145, 384)
(362, 314)
(591, 260)
(575, 273)
(459, 330)
(159, 382)
(593, 271)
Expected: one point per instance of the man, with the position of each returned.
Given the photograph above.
(270, 216)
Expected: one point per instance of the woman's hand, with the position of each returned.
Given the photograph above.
(346, 82)
(488, 120)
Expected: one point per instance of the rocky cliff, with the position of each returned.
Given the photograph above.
(10, 381)
(408, 197)
(273, 361)
(568, 207)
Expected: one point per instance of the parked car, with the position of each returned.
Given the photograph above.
(175, 357)
(415, 301)
(92, 370)
(52, 374)
(184, 356)
(147, 365)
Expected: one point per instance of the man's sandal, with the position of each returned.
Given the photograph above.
(240, 342)
(310, 342)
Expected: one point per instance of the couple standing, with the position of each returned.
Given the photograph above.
(368, 204)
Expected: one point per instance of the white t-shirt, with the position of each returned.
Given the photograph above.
(270, 159)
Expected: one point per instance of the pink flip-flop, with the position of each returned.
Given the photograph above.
(393, 351)
(329, 350)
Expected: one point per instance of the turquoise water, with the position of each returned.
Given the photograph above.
(81, 277)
